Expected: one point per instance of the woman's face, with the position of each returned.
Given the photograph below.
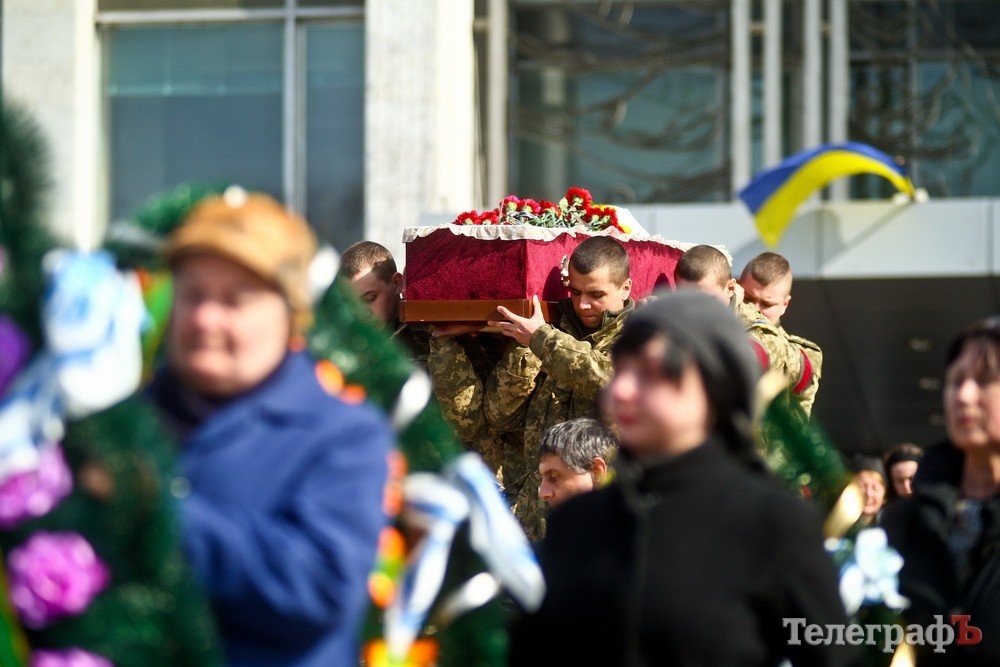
(229, 329)
(972, 403)
(655, 414)
(873, 489)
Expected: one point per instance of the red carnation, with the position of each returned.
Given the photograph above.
(488, 218)
(467, 218)
(546, 205)
(510, 202)
(578, 193)
(530, 206)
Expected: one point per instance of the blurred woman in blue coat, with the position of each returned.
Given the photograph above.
(280, 482)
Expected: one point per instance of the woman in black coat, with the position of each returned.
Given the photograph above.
(694, 557)
(948, 532)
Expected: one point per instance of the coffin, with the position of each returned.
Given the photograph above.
(460, 274)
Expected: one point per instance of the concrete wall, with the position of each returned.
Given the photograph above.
(420, 152)
(51, 66)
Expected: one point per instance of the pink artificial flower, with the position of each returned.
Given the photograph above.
(54, 575)
(33, 493)
(73, 657)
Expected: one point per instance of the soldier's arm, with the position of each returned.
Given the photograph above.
(574, 364)
(510, 386)
(457, 387)
(808, 384)
(777, 351)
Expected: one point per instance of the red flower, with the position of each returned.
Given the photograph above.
(606, 215)
(510, 202)
(546, 205)
(467, 218)
(488, 218)
(530, 206)
(574, 194)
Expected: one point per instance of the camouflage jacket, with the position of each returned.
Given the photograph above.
(807, 387)
(798, 360)
(415, 341)
(556, 378)
(459, 368)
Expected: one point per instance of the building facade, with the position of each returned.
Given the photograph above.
(373, 115)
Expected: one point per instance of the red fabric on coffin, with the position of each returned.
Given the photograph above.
(651, 266)
(446, 266)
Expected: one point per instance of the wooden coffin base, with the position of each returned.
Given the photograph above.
(470, 311)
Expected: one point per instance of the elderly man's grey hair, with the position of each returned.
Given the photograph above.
(578, 441)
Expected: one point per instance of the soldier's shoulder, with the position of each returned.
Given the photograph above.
(804, 342)
(752, 319)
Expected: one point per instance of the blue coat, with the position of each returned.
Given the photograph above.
(282, 507)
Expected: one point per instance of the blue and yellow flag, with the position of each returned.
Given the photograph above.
(773, 195)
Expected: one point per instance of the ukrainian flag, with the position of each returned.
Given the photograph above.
(773, 195)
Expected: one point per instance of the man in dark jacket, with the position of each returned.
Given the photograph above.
(694, 557)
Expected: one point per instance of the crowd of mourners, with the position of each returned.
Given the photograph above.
(622, 435)
(691, 555)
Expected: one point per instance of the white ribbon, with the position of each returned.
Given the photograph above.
(438, 504)
(870, 575)
(91, 318)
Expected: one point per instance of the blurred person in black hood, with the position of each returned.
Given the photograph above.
(694, 556)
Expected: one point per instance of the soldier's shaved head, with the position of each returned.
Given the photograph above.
(767, 284)
(599, 251)
(367, 255)
(705, 268)
(370, 268)
(768, 268)
(703, 261)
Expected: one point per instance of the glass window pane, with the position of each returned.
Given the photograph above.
(331, 3)
(196, 104)
(135, 5)
(633, 106)
(335, 130)
(119, 5)
(925, 86)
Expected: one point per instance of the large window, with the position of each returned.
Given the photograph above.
(925, 79)
(628, 99)
(634, 99)
(224, 96)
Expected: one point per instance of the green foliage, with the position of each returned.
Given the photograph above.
(800, 453)
(23, 237)
(348, 335)
(151, 614)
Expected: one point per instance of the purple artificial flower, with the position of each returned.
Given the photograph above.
(31, 494)
(15, 348)
(73, 657)
(54, 575)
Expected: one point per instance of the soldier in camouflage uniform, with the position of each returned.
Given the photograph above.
(767, 283)
(798, 360)
(459, 366)
(371, 269)
(555, 374)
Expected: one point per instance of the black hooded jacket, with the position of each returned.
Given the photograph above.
(694, 559)
(691, 561)
(918, 528)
